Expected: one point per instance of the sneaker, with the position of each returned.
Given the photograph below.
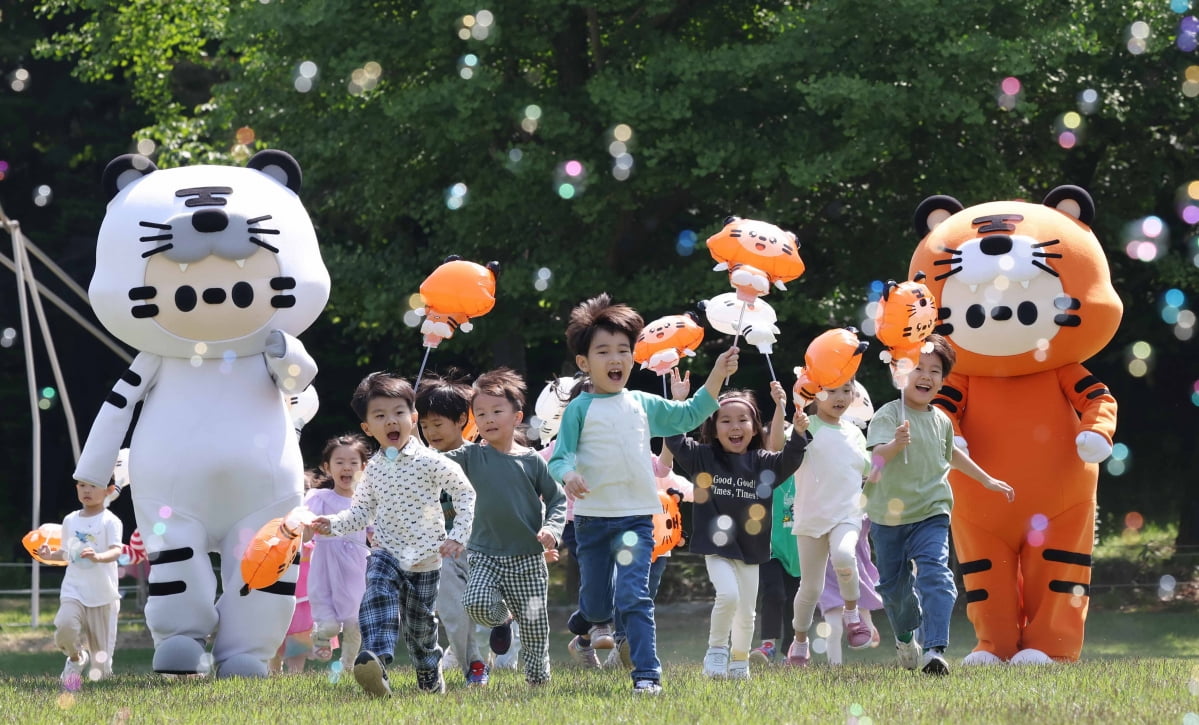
(716, 662)
(322, 652)
(478, 675)
(763, 655)
(372, 674)
(430, 681)
(857, 632)
(72, 672)
(647, 687)
(620, 655)
(798, 656)
(934, 663)
(585, 656)
(601, 637)
(739, 670)
(501, 638)
(908, 653)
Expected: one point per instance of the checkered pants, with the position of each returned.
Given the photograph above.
(393, 594)
(499, 585)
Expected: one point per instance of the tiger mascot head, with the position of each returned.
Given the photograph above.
(1022, 287)
(205, 261)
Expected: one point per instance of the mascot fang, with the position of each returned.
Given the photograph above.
(210, 272)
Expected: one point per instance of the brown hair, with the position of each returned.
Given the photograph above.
(599, 313)
(943, 350)
(381, 385)
(502, 383)
(707, 432)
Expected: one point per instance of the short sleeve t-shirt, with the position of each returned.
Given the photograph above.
(90, 583)
(917, 488)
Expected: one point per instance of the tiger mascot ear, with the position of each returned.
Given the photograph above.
(123, 171)
(934, 210)
(1073, 201)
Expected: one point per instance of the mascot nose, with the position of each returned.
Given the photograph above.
(210, 220)
(996, 245)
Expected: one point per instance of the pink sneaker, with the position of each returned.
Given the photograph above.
(859, 634)
(794, 656)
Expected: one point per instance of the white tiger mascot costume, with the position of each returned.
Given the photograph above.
(210, 272)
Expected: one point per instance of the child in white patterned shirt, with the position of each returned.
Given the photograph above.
(401, 491)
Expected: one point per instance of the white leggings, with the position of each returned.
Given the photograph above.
(840, 544)
(736, 586)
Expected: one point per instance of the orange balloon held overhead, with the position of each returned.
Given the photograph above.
(907, 315)
(665, 341)
(831, 360)
(757, 255)
(49, 535)
(455, 292)
(668, 526)
(273, 549)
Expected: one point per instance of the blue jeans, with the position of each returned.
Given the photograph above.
(924, 600)
(623, 542)
(655, 580)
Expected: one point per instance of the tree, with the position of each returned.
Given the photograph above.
(447, 129)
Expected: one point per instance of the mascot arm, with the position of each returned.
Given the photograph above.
(1090, 397)
(292, 368)
(112, 423)
(952, 400)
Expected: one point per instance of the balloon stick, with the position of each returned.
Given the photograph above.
(421, 374)
(904, 406)
(771, 366)
(665, 391)
(737, 336)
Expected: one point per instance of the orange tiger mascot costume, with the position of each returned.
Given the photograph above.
(1026, 296)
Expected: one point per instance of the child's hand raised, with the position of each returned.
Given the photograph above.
(778, 393)
(680, 385)
(800, 421)
(727, 362)
(903, 434)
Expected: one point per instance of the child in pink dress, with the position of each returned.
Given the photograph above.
(337, 578)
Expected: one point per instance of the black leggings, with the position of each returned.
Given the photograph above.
(776, 597)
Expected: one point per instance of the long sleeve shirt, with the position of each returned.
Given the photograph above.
(605, 438)
(515, 498)
(734, 494)
(403, 498)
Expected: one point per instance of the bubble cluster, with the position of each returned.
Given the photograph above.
(1186, 199)
(42, 195)
(530, 118)
(455, 196)
(365, 78)
(3, 170)
(305, 76)
(513, 159)
(621, 136)
(467, 65)
(46, 398)
(1068, 129)
(1145, 239)
(541, 279)
(1139, 358)
(1037, 525)
(1120, 461)
(1180, 6)
(1136, 38)
(1009, 92)
(1174, 312)
(858, 716)
(1088, 101)
(1190, 81)
(1166, 586)
(570, 179)
(477, 26)
(1188, 32)
(18, 80)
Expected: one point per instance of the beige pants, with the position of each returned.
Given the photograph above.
(88, 628)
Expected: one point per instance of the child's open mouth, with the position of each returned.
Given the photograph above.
(393, 437)
(615, 375)
(735, 440)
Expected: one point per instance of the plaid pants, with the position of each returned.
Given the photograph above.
(516, 585)
(393, 594)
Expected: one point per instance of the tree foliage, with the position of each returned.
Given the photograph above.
(831, 119)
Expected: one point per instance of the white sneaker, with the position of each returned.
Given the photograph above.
(585, 656)
(934, 663)
(739, 670)
(602, 637)
(716, 662)
(647, 687)
(908, 653)
(72, 672)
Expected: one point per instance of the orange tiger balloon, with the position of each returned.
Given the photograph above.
(1026, 296)
(831, 360)
(663, 342)
(270, 553)
(668, 526)
(49, 535)
(907, 314)
(455, 292)
(756, 255)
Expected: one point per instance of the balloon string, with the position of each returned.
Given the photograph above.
(771, 366)
(903, 404)
(421, 374)
(737, 333)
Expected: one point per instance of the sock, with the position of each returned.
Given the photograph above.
(584, 641)
(851, 616)
(905, 637)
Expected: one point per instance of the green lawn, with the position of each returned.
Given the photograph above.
(1137, 667)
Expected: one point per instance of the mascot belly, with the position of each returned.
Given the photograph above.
(1026, 297)
(210, 272)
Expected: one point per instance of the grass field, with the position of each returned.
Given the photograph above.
(1138, 666)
